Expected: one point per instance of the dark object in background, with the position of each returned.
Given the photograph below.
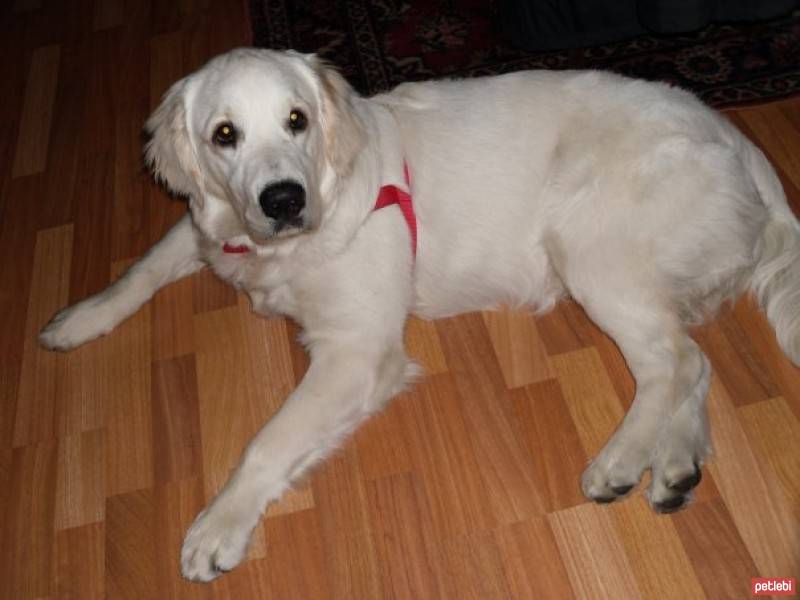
(680, 16)
(558, 24)
(378, 44)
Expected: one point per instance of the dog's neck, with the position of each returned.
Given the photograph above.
(389, 148)
(379, 163)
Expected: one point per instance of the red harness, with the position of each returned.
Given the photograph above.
(226, 247)
(388, 195)
(391, 194)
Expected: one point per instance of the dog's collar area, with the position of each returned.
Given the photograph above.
(229, 248)
(391, 194)
(388, 195)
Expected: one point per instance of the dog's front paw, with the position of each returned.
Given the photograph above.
(216, 542)
(78, 324)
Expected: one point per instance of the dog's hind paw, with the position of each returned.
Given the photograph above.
(671, 494)
(605, 483)
(618, 468)
(677, 469)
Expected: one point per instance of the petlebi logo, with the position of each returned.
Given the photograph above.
(773, 586)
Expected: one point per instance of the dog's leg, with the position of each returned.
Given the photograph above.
(683, 444)
(176, 255)
(666, 428)
(344, 384)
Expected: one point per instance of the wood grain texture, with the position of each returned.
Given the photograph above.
(770, 122)
(401, 521)
(80, 563)
(716, 550)
(38, 394)
(68, 121)
(725, 345)
(557, 455)
(108, 14)
(126, 375)
(176, 419)
(130, 560)
(382, 447)
(424, 346)
(34, 130)
(486, 404)
(781, 369)
(656, 554)
(82, 400)
(28, 525)
(351, 561)
(295, 560)
(80, 484)
(173, 325)
(176, 506)
(473, 567)
(533, 565)
(760, 511)
(520, 351)
(593, 553)
(209, 293)
(774, 432)
(565, 328)
(590, 397)
(442, 453)
(466, 486)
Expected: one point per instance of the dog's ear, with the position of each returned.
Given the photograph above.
(169, 152)
(342, 127)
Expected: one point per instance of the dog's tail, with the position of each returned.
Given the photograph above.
(776, 279)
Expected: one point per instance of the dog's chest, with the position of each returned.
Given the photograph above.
(239, 270)
(253, 275)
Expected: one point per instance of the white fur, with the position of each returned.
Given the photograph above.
(645, 206)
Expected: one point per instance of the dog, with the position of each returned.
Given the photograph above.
(645, 206)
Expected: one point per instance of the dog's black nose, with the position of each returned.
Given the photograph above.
(283, 200)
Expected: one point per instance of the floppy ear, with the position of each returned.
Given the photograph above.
(169, 152)
(342, 127)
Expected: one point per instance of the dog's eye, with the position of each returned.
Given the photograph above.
(225, 135)
(297, 121)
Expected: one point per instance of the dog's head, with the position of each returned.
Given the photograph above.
(252, 138)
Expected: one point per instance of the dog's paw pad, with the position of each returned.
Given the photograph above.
(671, 488)
(603, 483)
(616, 492)
(621, 490)
(685, 483)
(604, 499)
(670, 505)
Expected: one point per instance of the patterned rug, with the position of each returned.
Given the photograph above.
(380, 43)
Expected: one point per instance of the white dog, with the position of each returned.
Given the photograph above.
(646, 207)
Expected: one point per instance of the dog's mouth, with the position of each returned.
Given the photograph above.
(277, 230)
(287, 226)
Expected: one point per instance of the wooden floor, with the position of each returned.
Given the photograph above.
(466, 487)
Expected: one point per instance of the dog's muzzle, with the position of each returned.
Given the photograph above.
(283, 201)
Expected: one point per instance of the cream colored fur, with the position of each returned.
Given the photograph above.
(645, 206)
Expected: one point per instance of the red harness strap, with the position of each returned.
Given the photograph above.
(391, 194)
